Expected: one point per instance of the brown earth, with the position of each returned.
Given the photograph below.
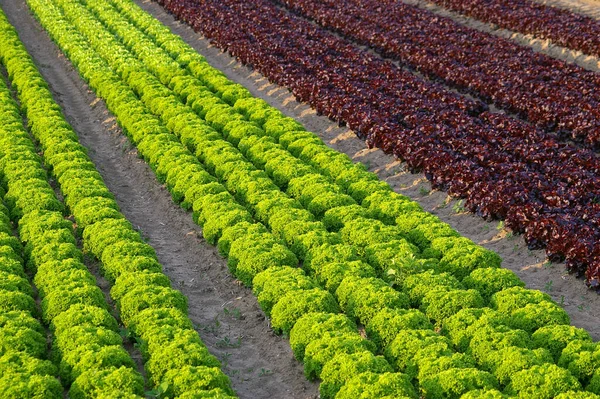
(259, 363)
(591, 8)
(544, 46)
(582, 304)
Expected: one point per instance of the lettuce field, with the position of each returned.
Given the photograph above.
(299, 199)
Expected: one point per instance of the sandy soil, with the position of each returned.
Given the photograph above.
(544, 46)
(591, 8)
(259, 363)
(582, 304)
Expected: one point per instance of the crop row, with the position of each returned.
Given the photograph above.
(503, 167)
(24, 368)
(563, 27)
(88, 346)
(229, 194)
(547, 92)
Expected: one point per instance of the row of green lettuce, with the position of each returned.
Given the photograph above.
(227, 212)
(24, 368)
(87, 344)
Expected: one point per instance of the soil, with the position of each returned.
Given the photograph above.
(544, 46)
(582, 304)
(228, 318)
(591, 8)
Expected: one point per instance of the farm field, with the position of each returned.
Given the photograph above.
(193, 230)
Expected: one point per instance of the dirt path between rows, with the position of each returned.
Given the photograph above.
(544, 46)
(590, 8)
(259, 363)
(582, 304)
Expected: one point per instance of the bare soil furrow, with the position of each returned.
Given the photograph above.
(544, 46)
